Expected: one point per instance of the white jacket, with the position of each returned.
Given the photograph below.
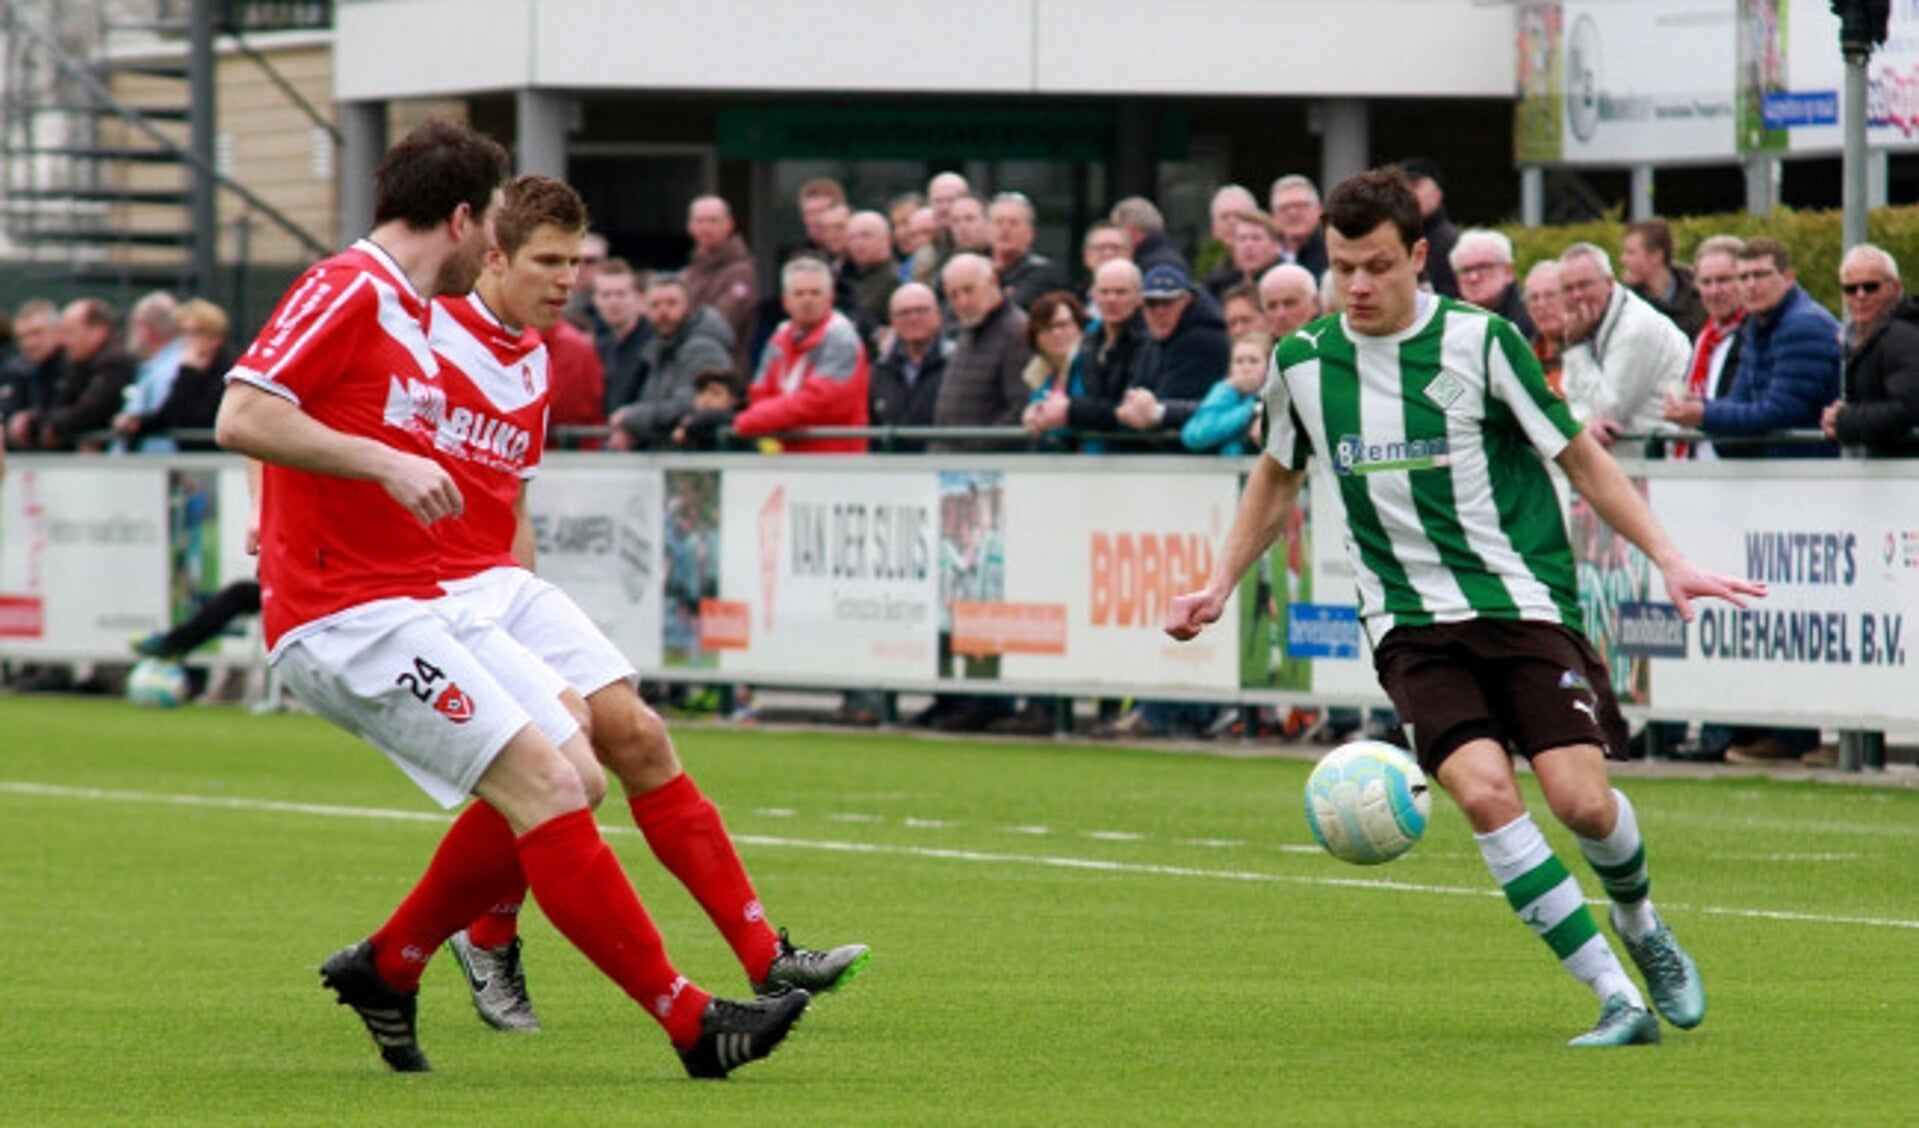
(1621, 372)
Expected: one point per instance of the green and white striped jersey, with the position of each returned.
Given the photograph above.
(1434, 437)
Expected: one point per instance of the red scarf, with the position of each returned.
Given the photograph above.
(1710, 338)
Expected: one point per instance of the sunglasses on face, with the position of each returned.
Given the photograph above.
(1851, 288)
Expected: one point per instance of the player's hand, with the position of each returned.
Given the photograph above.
(1187, 614)
(423, 488)
(1685, 583)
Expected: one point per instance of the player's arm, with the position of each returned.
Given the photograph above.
(1602, 483)
(272, 428)
(1271, 492)
(523, 547)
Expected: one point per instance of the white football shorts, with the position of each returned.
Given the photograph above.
(439, 698)
(546, 621)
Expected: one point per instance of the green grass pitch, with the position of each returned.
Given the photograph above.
(1062, 934)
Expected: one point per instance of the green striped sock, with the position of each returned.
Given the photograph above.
(1547, 899)
(1619, 859)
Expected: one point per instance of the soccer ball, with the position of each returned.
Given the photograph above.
(156, 683)
(1367, 802)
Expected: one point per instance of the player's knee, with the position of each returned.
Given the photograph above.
(1489, 798)
(632, 741)
(1587, 812)
(554, 784)
(592, 777)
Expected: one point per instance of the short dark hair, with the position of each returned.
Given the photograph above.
(669, 278)
(1656, 234)
(823, 187)
(96, 313)
(531, 202)
(1382, 195)
(1767, 247)
(1045, 309)
(434, 169)
(1240, 291)
(707, 377)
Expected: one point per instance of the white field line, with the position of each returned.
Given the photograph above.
(1097, 865)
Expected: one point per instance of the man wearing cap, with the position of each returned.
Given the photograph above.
(1439, 232)
(1188, 354)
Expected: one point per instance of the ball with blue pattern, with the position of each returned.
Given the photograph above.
(157, 683)
(1367, 802)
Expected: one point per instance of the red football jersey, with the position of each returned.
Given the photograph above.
(494, 431)
(348, 345)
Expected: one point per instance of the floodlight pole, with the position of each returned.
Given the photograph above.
(1853, 224)
(203, 207)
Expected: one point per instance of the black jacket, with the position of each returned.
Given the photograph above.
(1440, 235)
(1882, 388)
(1156, 249)
(1106, 371)
(1184, 367)
(1312, 254)
(193, 401)
(892, 402)
(26, 386)
(88, 394)
(1684, 306)
(1029, 279)
(1512, 306)
(624, 364)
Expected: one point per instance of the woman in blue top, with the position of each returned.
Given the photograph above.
(1055, 325)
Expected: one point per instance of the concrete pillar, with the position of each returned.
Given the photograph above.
(541, 118)
(1532, 195)
(762, 222)
(1345, 141)
(363, 142)
(1136, 158)
(1762, 183)
(1641, 206)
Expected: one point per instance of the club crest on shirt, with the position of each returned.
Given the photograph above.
(1444, 390)
(454, 705)
(413, 404)
(526, 378)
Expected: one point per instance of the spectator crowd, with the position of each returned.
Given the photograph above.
(933, 312)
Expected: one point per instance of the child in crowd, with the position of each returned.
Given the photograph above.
(1227, 420)
(715, 400)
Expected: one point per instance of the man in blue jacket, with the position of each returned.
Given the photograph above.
(1789, 362)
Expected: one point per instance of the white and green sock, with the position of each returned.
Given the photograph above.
(1547, 899)
(1620, 861)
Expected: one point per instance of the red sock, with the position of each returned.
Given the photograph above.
(499, 924)
(586, 895)
(476, 865)
(684, 829)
